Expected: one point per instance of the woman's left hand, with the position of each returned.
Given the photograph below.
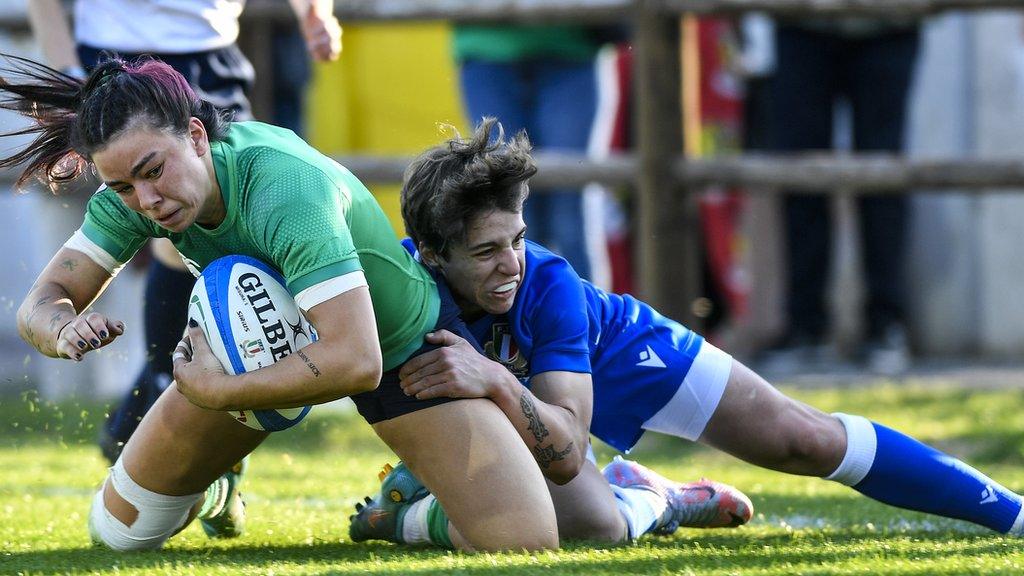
(199, 374)
(455, 369)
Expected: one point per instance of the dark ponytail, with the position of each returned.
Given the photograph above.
(74, 118)
(50, 99)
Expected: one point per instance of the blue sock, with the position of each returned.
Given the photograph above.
(893, 468)
(642, 509)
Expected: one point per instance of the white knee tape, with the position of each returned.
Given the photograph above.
(159, 516)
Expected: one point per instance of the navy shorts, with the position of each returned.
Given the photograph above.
(221, 77)
(388, 400)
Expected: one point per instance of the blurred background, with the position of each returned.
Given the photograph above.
(951, 266)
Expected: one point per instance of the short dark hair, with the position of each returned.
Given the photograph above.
(450, 184)
(73, 118)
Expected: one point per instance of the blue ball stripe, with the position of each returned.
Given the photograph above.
(217, 281)
(217, 276)
(274, 420)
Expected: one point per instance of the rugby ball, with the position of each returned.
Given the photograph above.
(251, 321)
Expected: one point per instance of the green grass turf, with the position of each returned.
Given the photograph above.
(304, 482)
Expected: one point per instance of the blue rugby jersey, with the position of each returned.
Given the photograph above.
(637, 358)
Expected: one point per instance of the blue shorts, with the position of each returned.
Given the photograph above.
(652, 373)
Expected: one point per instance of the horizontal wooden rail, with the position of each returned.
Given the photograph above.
(617, 10)
(759, 173)
(863, 173)
(833, 7)
(555, 169)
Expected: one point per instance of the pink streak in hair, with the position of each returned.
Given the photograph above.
(163, 75)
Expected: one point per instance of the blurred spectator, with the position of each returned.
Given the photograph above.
(542, 79)
(870, 63)
(292, 73)
(198, 39)
(713, 117)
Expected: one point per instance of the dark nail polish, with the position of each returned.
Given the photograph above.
(94, 342)
(103, 333)
(81, 344)
(192, 323)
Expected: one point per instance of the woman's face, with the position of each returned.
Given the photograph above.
(166, 177)
(485, 271)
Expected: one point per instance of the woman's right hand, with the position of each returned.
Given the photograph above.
(89, 331)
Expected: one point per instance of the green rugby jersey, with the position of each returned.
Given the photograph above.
(300, 212)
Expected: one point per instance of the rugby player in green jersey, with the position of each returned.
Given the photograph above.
(173, 168)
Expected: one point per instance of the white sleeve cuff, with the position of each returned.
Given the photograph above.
(81, 243)
(319, 293)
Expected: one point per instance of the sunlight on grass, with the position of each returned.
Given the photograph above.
(303, 484)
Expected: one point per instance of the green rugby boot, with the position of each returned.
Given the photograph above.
(380, 517)
(223, 512)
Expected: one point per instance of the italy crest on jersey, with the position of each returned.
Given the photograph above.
(502, 348)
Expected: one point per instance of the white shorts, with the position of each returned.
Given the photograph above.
(687, 413)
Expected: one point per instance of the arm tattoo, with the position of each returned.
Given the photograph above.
(70, 264)
(55, 319)
(530, 411)
(35, 308)
(309, 363)
(545, 455)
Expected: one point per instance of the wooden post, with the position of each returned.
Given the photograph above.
(668, 234)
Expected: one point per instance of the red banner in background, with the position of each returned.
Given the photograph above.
(721, 111)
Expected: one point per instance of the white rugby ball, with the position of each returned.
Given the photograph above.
(251, 321)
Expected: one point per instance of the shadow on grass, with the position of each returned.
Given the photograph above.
(710, 550)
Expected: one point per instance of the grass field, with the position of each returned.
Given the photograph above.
(304, 482)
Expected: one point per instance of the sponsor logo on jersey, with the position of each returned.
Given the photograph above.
(650, 359)
(502, 348)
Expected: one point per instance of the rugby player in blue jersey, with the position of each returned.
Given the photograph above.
(535, 319)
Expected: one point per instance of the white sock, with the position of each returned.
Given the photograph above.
(642, 508)
(414, 525)
(216, 499)
(861, 445)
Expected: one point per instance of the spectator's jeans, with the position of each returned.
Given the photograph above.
(555, 102)
(874, 73)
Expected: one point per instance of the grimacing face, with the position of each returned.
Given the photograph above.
(485, 272)
(164, 176)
